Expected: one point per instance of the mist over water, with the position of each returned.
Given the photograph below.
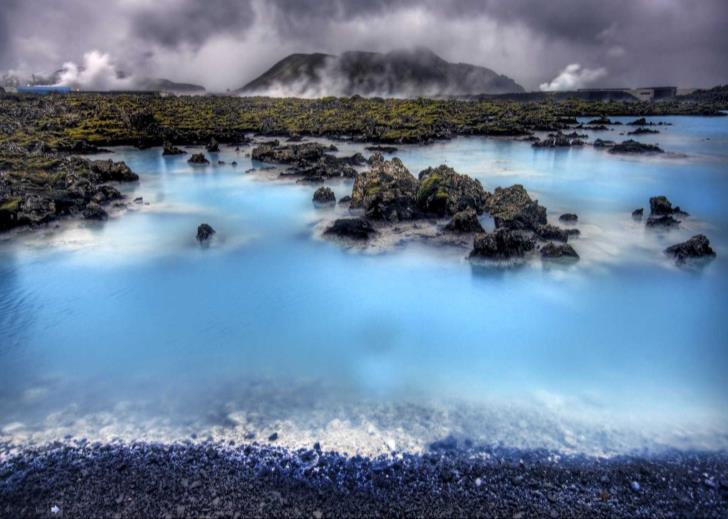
(129, 329)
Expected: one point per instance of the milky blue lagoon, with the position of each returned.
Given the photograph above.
(129, 329)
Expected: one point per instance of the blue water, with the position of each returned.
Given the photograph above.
(130, 327)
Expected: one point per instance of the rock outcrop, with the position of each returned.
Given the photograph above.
(324, 196)
(198, 158)
(213, 146)
(558, 251)
(388, 191)
(204, 232)
(444, 192)
(512, 208)
(568, 218)
(696, 247)
(632, 146)
(351, 228)
(502, 244)
(171, 149)
(464, 222)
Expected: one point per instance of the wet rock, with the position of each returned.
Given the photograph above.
(108, 171)
(273, 437)
(696, 247)
(502, 244)
(198, 158)
(465, 221)
(572, 232)
(558, 251)
(204, 232)
(94, 211)
(324, 195)
(442, 191)
(512, 208)
(345, 199)
(304, 153)
(171, 149)
(382, 149)
(600, 121)
(568, 218)
(660, 206)
(662, 221)
(557, 140)
(551, 232)
(351, 228)
(640, 122)
(387, 191)
(139, 200)
(637, 213)
(632, 146)
(213, 146)
(642, 131)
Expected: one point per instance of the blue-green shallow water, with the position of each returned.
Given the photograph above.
(111, 329)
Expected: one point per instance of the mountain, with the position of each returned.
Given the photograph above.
(400, 73)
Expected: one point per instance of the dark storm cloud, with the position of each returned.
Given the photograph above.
(224, 43)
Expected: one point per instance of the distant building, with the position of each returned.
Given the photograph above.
(642, 94)
(43, 89)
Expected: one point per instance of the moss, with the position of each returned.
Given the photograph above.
(11, 205)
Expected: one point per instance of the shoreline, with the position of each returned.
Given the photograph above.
(218, 480)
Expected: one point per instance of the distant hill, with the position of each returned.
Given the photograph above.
(402, 73)
(170, 86)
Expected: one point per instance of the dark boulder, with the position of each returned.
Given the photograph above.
(632, 146)
(324, 195)
(352, 228)
(465, 221)
(696, 247)
(382, 149)
(551, 232)
(442, 192)
(560, 251)
(171, 149)
(198, 158)
(642, 131)
(660, 206)
(662, 221)
(345, 199)
(603, 143)
(637, 213)
(94, 211)
(108, 171)
(213, 146)
(502, 244)
(204, 232)
(301, 154)
(640, 122)
(386, 192)
(568, 218)
(600, 121)
(512, 208)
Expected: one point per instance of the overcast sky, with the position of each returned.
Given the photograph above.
(224, 43)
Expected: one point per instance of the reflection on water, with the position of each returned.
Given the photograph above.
(130, 329)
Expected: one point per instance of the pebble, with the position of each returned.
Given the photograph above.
(635, 486)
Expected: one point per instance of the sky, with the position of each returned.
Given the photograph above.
(223, 44)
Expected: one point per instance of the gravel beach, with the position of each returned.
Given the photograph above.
(79, 479)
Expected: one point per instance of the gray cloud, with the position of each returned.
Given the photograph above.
(225, 43)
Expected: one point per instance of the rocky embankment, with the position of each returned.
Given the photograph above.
(37, 187)
(449, 480)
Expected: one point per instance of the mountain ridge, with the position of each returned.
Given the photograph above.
(399, 73)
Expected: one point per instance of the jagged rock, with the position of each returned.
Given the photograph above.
(345, 199)
(637, 213)
(662, 221)
(600, 121)
(568, 218)
(556, 140)
(442, 191)
(352, 228)
(501, 245)
(512, 208)
(642, 131)
(632, 146)
(696, 247)
(213, 146)
(94, 211)
(640, 122)
(204, 232)
(572, 232)
(106, 193)
(562, 250)
(551, 232)
(660, 206)
(465, 221)
(109, 171)
(171, 149)
(198, 158)
(386, 192)
(304, 153)
(324, 195)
